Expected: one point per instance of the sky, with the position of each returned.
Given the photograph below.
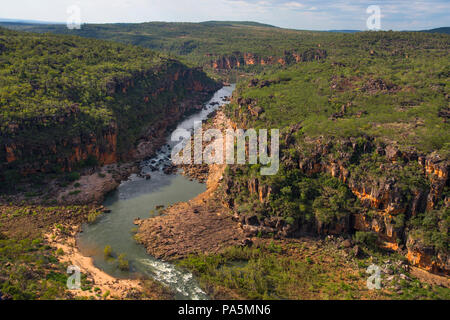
(296, 14)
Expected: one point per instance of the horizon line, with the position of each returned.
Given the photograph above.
(43, 22)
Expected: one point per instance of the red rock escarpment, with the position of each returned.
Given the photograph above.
(63, 146)
(236, 60)
(383, 197)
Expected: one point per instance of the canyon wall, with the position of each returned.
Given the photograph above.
(73, 138)
(393, 192)
(238, 59)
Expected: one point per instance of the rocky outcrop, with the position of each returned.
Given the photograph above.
(438, 171)
(386, 205)
(238, 59)
(227, 63)
(92, 188)
(188, 228)
(426, 257)
(155, 135)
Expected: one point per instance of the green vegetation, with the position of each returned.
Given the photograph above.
(265, 273)
(366, 107)
(393, 94)
(123, 263)
(296, 197)
(431, 229)
(29, 270)
(108, 252)
(302, 270)
(196, 43)
(46, 75)
(203, 43)
(92, 217)
(417, 290)
(72, 176)
(67, 102)
(389, 82)
(368, 239)
(366, 113)
(29, 267)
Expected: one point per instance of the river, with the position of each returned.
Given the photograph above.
(138, 197)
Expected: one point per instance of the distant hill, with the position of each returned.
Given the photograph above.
(345, 31)
(237, 23)
(221, 47)
(211, 44)
(445, 30)
(21, 21)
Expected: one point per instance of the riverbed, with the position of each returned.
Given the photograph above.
(142, 197)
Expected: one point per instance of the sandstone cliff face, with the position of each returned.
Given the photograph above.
(388, 200)
(64, 143)
(236, 60)
(57, 151)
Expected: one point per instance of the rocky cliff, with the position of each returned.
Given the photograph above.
(401, 195)
(143, 107)
(238, 59)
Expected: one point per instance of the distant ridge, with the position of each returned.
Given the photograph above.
(21, 21)
(344, 31)
(240, 23)
(208, 23)
(16, 23)
(445, 30)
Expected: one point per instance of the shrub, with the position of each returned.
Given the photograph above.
(91, 161)
(123, 263)
(92, 216)
(289, 220)
(72, 176)
(368, 239)
(108, 252)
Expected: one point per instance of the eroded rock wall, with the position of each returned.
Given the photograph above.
(72, 137)
(388, 199)
(238, 59)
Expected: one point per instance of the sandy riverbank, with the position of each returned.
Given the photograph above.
(106, 286)
(118, 288)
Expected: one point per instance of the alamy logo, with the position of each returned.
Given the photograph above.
(374, 20)
(374, 281)
(74, 19)
(233, 149)
(74, 281)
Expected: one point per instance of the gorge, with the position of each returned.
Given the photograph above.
(363, 175)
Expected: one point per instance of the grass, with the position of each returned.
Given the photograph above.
(271, 271)
(29, 267)
(407, 114)
(292, 269)
(30, 270)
